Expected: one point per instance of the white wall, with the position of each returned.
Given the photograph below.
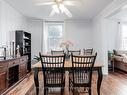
(100, 32)
(98, 43)
(0, 26)
(112, 31)
(79, 32)
(36, 28)
(10, 20)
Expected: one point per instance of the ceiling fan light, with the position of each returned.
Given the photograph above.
(52, 13)
(55, 8)
(62, 8)
(58, 0)
(67, 12)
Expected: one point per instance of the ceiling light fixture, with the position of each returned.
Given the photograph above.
(58, 6)
(55, 8)
(62, 8)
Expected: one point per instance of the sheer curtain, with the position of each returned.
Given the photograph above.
(119, 37)
(44, 38)
(124, 35)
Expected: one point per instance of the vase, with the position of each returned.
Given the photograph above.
(67, 53)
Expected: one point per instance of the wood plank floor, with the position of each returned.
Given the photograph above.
(113, 84)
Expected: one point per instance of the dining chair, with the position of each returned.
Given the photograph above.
(82, 68)
(75, 52)
(57, 52)
(88, 51)
(53, 71)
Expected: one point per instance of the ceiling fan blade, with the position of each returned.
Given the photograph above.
(46, 3)
(67, 12)
(71, 3)
(52, 13)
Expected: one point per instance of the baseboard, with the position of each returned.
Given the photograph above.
(14, 85)
(120, 70)
(10, 88)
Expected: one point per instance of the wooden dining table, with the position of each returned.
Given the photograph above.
(68, 67)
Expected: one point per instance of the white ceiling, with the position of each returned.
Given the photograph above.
(120, 14)
(87, 9)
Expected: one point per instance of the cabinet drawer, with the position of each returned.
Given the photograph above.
(3, 64)
(2, 70)
(3, 67)
(13, 62)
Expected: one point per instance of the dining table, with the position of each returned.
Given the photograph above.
(68, 67)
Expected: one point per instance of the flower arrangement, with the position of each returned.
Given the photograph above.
(66, 45)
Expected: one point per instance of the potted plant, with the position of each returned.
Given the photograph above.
(37, 58)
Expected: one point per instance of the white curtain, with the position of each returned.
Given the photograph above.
(119, 37)
(124, 35)
(44, 38)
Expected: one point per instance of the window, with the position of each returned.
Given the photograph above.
(124, 35)
(54, 35)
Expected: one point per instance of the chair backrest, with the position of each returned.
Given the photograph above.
(57, 52)
(53, 69)
(82, 67)
(75, 52)
(88, 51)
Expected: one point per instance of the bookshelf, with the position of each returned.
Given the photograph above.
(23, 39)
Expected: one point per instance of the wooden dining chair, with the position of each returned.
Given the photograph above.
(82, 68)
(88, 51)
(75, 52)
(53, 71)
(57, 52)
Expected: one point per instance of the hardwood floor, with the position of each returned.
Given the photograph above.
(113, 84)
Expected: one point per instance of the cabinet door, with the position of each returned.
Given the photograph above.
(22, 71)
(2, 81)
(23, 59)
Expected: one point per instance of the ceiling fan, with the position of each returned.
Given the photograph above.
(58, 6)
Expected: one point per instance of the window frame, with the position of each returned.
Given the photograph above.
(46, 37)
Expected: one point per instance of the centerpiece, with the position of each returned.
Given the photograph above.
(66, 45)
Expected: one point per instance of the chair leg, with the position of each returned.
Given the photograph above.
(73, 90)
(89, 91)
(37, 90)
(62, 90)
(45, 91)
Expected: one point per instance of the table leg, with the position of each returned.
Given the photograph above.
(100, 76)
(36, 80)
(113, 65)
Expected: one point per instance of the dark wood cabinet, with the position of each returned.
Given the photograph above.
(22, 70)
(3, 76)
(23, 67)
(3, 85)
(11, 71)
(23, 39)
